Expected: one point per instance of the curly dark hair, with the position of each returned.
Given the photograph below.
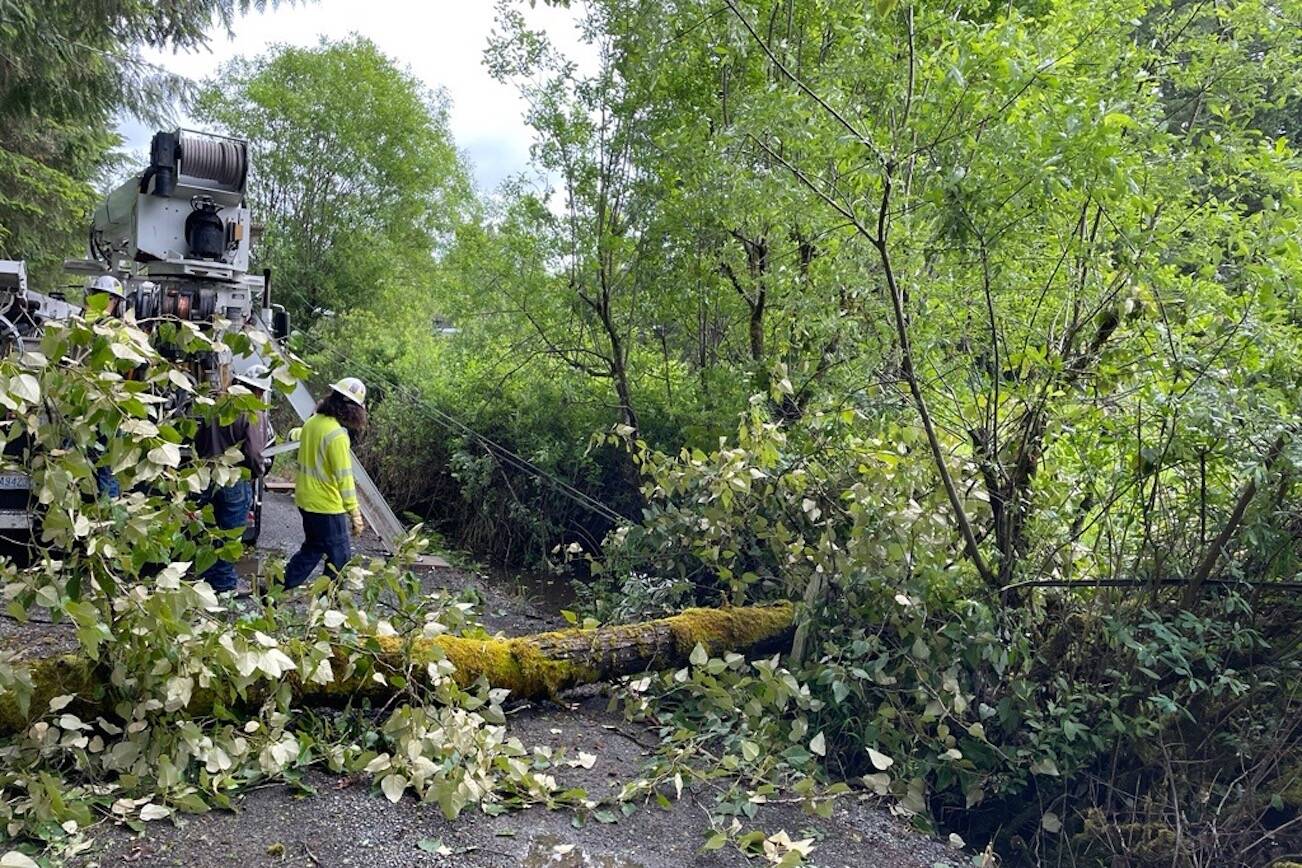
(344, 411)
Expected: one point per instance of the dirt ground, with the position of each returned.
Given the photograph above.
(345, 822)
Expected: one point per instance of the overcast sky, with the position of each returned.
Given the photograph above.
(441, 41)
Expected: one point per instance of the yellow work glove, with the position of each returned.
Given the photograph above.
(296, 434)
(359, 526)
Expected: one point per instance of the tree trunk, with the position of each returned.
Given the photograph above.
(618, 361)
(619, 374)
(757, 329)
(531, 667)
(1214, 551)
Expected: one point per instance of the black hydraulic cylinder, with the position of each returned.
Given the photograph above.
(163, 152)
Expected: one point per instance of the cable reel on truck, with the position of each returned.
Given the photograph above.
(172, 243)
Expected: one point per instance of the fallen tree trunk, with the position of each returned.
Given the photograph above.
(531, 667)
(544, 664)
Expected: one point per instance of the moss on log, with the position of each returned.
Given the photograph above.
(51, 676)
(531, 667)
(544, 664)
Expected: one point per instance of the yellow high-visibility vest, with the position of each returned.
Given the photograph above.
(325, 468)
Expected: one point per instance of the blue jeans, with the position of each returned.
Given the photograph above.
(107, 483)
(324, 535)
(230, 509)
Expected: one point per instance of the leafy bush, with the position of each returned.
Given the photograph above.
(171, 699)
(1016, 724)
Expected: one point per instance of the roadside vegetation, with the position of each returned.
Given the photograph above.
(971, 328)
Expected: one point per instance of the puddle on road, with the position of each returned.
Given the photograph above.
(545, 592)
(548, 851)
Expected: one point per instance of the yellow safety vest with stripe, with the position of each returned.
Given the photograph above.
(325, 468)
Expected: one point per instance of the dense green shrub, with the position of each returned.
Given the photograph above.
(1004, 723)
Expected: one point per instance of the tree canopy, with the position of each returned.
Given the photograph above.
(355, 174)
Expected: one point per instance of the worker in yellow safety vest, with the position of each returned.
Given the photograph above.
(325, 491)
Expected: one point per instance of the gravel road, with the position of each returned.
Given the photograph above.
(346, 822)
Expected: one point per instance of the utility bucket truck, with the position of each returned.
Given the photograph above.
(178, 237)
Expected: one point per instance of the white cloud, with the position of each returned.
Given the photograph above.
(441, 42)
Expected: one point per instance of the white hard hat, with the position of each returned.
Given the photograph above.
(257, 376)
(107, 283)
(351, 388)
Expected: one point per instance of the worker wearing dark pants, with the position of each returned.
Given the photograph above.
(231, 503)
(107, 483)
(325, 490)
(230, 511)
(324, 535)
